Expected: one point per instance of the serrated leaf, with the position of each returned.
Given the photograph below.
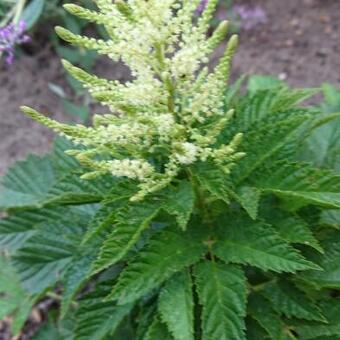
(266, 142)
(295, 230)
(78, 271)
(288, 300)
(76, 275)
(222, 293)
(47, 331)
(259, 310)
(270, 104)
(322, 147)
(299, 185)
(249, 198)
(62, 163)
(26, 183)
(145, 318)
(131, 221)
(102, 223)
(157, 331)
(180, 203)
(313, 330)
(96, 318)
(245, 242)
(255, 331)
(46, 254)
(19, 227)
(73, 190)
(330, 218)
(176, 306)
(168, 252)
(213, 180)
(329, 277)
(14, 301)
(15, 230)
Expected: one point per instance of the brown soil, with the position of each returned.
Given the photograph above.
(300, 42)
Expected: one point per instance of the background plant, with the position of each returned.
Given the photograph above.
(238, 240)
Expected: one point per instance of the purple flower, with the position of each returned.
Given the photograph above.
(10, 36)
(250, 16)
(201, 7)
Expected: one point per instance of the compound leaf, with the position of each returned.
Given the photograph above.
(131, 221)
(291, 302)
(176, 306)
(222, 293)
(168, 252)
(257, 244)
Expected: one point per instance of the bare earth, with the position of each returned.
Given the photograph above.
(300, 42)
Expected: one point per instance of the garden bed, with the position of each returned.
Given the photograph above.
(298, 43)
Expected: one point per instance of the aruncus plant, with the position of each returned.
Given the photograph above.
(183, 213)
(172, 111)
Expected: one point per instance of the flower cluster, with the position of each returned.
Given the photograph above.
(201, 7)
(10, 36)
(250, 16)
(172, 112)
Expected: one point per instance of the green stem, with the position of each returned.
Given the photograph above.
(261, 286)
(160, 55)
(57, 297)
(201, 202)
(18, 12)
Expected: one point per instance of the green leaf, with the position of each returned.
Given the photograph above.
(330, 218)
(47, 331)
(295, 230)
(146, 316)
(73, 190)
(269, 141)
(260, 83)
(213, 180)
(62, 163)
(291, 302)
(222, 293)
(46, 254)
(96, 318)
(16, 229)
(331, 309)
(255, 331)
(260, 311)
(245, 242)
(32, 13)
(131, 221)
(76, 275)
(322, 147)
(81, 112)
(26, 183)
(269, 105)
(329, 277)
(176, 306)
(180, 202)
(157, 331)
(168, 252)
(249, 198)
(299, 185)
(14, 299)
(332, 98)
(103, 221)
(79, 270)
